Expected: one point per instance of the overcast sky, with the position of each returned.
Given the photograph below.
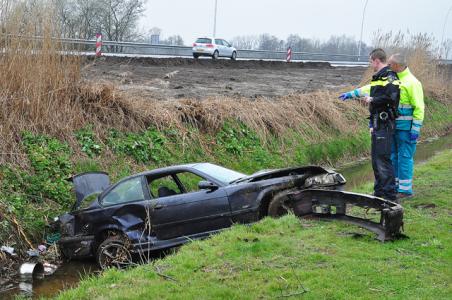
(308, 18)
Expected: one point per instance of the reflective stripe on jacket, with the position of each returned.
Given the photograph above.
(411, 105)
(384, 89)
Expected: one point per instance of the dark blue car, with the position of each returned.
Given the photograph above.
(170, 206)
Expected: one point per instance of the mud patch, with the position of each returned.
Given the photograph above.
(160, 78)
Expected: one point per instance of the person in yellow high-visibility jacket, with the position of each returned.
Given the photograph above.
(408, 125)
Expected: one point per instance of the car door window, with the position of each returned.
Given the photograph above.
(127, 191)
(226, 43)
(219, 42)
(164, 186)
(189, 181)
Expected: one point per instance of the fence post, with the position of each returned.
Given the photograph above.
(289, 54)
(98, 45)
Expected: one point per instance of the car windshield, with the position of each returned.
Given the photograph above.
(204, 41)
(219, 173)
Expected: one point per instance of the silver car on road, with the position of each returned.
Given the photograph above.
(214, 48)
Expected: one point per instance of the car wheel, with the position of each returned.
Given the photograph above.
(277, 206)
(234, 55)
(195, 56)
(215, 55)
(114, 253)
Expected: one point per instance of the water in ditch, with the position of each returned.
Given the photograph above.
(361, 172)
(69, 274)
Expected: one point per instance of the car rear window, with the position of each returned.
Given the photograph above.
(204, 41)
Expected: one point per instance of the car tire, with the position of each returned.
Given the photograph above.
(114, 252)
(277, 207)
(234, 55)
(215, 55)
(195, 56)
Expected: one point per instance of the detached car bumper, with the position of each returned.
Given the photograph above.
(331, 204)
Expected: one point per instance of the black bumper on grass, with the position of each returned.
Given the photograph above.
(335, 205)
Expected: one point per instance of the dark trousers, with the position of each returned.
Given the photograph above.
(382, 139)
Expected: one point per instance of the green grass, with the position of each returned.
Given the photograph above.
(306, 259)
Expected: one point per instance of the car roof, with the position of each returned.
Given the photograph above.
(206, 37)
(164, 170)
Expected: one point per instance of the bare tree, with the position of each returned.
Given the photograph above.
(115, 19)
(447, 48)
(335, 44)
(270, 42)
(299, 44)
(79, 18)
(174, 40)
(119, 18)
(246, 42)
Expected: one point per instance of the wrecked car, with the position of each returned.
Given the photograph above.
(170, 206)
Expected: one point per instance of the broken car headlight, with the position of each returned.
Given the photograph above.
(325, 179)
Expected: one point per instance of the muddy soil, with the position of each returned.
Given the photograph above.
(173, 78)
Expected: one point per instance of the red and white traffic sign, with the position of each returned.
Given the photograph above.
(98, 44)
(289, 54)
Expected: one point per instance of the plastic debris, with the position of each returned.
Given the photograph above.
(33, 252)
(49, 269)
(31, 270)
(9, 250)
(53, 238)
(42, 248)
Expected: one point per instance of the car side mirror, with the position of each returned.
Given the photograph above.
(207, 185)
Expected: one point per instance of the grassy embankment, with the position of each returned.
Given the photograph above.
(39, 191)
(310, 259)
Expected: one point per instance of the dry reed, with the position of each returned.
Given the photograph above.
(41, 91)
(420, 51)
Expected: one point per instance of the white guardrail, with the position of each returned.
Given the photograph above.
(135, 49)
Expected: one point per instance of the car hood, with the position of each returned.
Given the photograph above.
(87, 184)
(275, 173)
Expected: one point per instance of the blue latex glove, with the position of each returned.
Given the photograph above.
(414, 135)
(346, 96)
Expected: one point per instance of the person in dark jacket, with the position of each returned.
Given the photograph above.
(383, 96)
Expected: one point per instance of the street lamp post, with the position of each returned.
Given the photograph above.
(361, 35)
(215, 20)
(444, 31)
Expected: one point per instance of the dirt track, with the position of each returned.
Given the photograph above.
(145, 77)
